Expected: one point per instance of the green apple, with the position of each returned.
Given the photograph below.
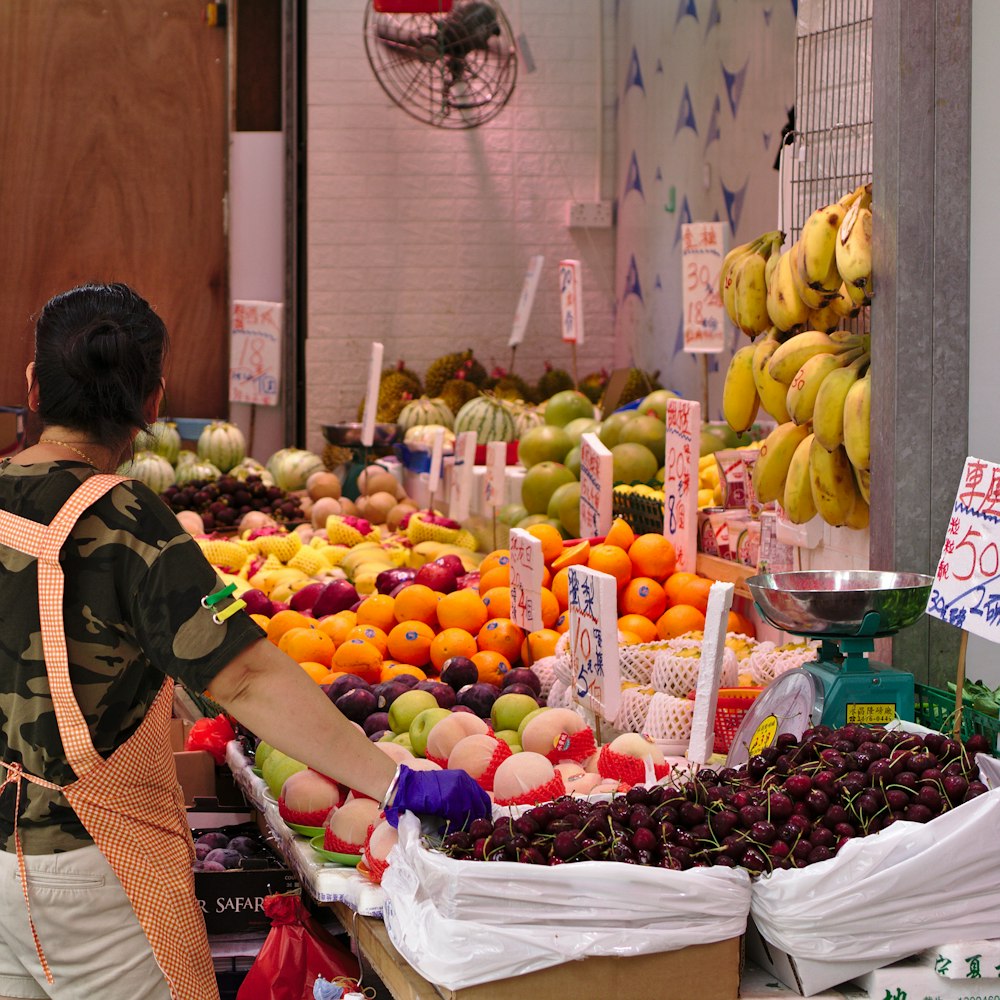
(407, 707)
(509, 709)
(277, 769)
(421, 726)
(528, 718)
(510, 737)
(263, 751)
(403, 739)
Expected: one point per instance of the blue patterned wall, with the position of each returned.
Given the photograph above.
(705, 89)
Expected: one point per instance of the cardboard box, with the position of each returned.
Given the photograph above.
(915, 980)
(232, 902)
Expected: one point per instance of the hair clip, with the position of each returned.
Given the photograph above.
(210, 600)
(221, 616)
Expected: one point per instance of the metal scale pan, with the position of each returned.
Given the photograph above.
(847, 610)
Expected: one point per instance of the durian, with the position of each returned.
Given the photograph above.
(456, 392)
(553, 380)
(395, 390)
(638, 384)
(593, 385)
(507, 385)
(411, 375)
(450, 366)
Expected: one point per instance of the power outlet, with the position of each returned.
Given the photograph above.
(590, 215)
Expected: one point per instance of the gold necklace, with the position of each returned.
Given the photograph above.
(68, 447)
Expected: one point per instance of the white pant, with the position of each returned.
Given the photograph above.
(87, 928)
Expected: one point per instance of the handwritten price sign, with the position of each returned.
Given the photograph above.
(966, 589)
(702, 250)
(255, 353)
(680, 480)
(526, 564)
(593, 639)
(571, 301)
(596, 474)
(496, 469)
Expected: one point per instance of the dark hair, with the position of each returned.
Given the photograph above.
(99, 352)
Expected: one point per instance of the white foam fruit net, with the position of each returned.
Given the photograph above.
(768, 661)
(668, 718)
(676, 672)
(632, 709)
(544, 670)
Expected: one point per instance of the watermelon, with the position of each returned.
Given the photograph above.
(222, 444)
(490, 419)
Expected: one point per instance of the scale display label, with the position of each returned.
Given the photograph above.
(764, 735)
(871, 713)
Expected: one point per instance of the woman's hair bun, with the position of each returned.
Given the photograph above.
(103, 346)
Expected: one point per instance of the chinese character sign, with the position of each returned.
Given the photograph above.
(966, 589)
(526, 564)
(593, 640)
(596, 484)
(462, 470)
(526, 301)
(702, 250)
(571, 301)
(680, 480)
(496, 469)
(255, 353)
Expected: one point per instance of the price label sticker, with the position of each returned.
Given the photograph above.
(527, 300)
(871, 714)
(593, 643)
(462, 471)
(680, 480)
(966, 589)
(526, 564)
(493, 479)
(571, 301)
(596, 486)
(764, 735)
(702, 250)
(255, 353)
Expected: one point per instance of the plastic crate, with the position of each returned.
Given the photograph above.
(935, 709)
(732, 706)
(643, 513)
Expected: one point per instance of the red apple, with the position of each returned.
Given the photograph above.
(258, 603)
(337, 595)
(305, 597)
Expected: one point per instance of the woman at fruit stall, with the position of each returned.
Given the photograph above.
(107, 602)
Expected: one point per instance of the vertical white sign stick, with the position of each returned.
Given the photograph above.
(434, 475)
(720, 600)
(371, 396)
(462, 471)
(596, 486)
(526, 301)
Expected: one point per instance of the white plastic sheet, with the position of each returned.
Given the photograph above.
(885, 897)
(461, 923)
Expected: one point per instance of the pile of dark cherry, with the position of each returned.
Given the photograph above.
(222, 502)
(793, 805)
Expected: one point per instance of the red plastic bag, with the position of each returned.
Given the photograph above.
(296, 951)
(211, 735)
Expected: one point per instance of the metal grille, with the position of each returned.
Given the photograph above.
(831, 148)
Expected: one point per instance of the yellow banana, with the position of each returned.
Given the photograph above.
(843, 305)
(732, 257)
(859, 516)
(784, 307)
(750, 295)
(833, 487)
(727, 274)
(772, 393)
(826, 319)
(819, 239)
(864, 480)
(828, 409)
(818, 295)
(808, 380)
(857, 422)
(739, 393)
(797, 499)
(854, 245)
(794, 352)
(771, 468)
(861, 295)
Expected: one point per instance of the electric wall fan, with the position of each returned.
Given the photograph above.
(449, 63)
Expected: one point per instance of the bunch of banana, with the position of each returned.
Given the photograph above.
(743, 283)
(854, 245)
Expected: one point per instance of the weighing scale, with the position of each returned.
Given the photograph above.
(846, 611)
(348, 437)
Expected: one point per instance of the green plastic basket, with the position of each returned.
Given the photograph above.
(935, 709)
(643, 514)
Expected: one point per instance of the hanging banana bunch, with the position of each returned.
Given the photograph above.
(744, 285)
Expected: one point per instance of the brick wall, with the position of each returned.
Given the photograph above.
(419, 237)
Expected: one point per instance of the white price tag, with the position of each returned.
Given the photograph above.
(526, 563)
(593, 632)
(596, 487)
(680, 480)
(493, 479)
(702, 250)
(255, 353)
(437, 452)
(462, 470)
(571, 301)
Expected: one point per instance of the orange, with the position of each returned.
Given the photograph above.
(498, 557)
(391, 669)
(416, 603)
(311, 644)
(621, 534)
(626, 638)
(491, 666)
(280, 623)
(338, 626)
(372, 634)
(462, 609)
(653, 555)
(551, 539)
(317, 671)
(695, 593)
(674, 583)
(498, 576)
(377, 610)
(410, 642)
(357, 656)
(546, 576)
(502, 636)
(550, 608)
(678, 620)
(540, 643)
(497, 601)
(639, 625)
(740, 624)
(560, 587)
(562, 622)
(643, 596)
(575, 555)
(612, 560)
(452, 642)
(262, 620)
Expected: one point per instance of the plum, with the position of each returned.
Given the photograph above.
(213, 839)
(458, 672)
(342, 684)
(377, 722)
(201, 850)
(522, 675)
(225, 857)
(444, 694)
(479, 697)
(357, 704)
(208, 866)
(246, 846)
(386, 692)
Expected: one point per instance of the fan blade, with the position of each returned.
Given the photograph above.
(406, 36)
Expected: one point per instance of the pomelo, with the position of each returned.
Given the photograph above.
(646, 430)
(540, 482)
(656, 403)
(545, 443)
(564, 507)
(572, 461)
(611, 427)
(582, 425)
(566, 406)
(632, 462)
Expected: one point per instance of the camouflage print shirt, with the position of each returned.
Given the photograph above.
(132, 613)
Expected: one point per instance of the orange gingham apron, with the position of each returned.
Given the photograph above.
(130, 804)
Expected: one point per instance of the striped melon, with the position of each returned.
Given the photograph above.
(526, 417)
(149, 468)
(424, 434)
(191, 471)
(488, 417)
(291, 467)
(425, 410)
(162, 437)
(222, 444)
(184, 456)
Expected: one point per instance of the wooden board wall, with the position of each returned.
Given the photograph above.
(113, 168)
